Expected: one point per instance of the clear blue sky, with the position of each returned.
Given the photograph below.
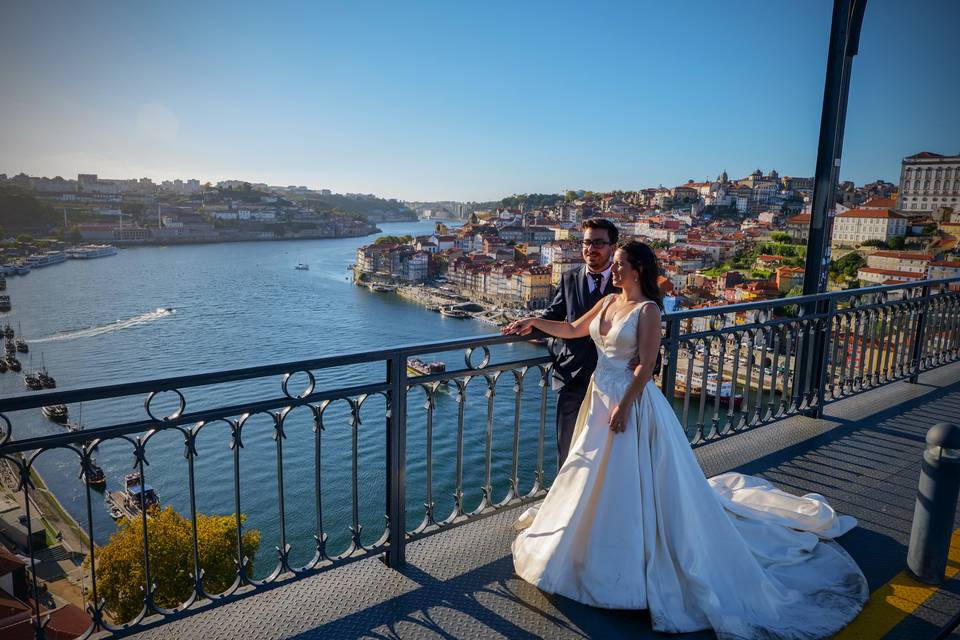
(458, 100)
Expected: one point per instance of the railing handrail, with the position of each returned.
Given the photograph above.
(32, 400)
(801, 300)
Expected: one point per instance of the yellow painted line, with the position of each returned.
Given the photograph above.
(896, 600)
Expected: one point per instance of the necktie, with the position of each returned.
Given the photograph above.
(597, 293)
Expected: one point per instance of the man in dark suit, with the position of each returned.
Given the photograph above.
(579, 290)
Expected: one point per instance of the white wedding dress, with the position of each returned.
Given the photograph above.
(632, 523)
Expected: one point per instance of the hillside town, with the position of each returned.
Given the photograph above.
(140, 211)
(718, 241)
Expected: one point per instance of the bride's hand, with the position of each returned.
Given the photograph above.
(618, 419)
(519, 327)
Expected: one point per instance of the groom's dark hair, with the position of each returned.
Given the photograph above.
(602, 223)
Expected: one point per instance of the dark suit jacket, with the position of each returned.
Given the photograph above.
(574, 360)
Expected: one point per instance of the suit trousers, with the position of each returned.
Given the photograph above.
(569, 399)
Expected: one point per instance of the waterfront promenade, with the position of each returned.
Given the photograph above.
(864, 456)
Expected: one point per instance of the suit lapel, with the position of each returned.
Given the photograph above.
(584, 291)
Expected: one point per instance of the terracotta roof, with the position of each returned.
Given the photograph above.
(923, 155)
(870, 213)
(802, 218)
(10, 607)
(902, 255)
(880, 203)
(953, 264)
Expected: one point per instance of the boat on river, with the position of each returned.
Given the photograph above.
(97, 478)
(138, 495)
(417, 367)
(46, 259)
(21, 344)
(32, 382)
(450, 312)
(56, 412)
(91, 251)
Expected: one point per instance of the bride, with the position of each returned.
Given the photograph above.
(631, 523)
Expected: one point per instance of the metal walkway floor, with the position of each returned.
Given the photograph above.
(864, 457)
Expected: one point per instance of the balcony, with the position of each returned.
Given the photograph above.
(384, 497)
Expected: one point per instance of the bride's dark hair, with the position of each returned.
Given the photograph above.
(642, 258)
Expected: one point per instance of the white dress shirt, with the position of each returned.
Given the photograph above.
(603, 282)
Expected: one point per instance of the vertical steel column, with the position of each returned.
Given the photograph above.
(844, 45)
(920, 335)
(396, 458)
(668, 373)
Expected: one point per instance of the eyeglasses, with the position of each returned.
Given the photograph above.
(596, 244)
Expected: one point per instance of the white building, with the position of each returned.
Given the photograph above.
(911, 261)
(944, 269)
(872, 276)
(929, 180)
(856, 226)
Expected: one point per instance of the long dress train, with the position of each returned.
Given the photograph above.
(632, 523)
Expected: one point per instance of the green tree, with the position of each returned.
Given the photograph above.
(570, 196)
(897, 242)
(780, 236)
(20, 211)
(846, 267)
(24, 237)
(120, 572)
(874, 243)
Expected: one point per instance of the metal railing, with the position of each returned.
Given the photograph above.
(728, 369)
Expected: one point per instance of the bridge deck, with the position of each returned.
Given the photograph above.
(864, 456)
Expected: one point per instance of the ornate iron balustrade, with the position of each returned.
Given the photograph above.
(729, 369)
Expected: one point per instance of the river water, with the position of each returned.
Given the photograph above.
(151, 312)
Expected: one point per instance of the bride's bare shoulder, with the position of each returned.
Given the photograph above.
(648, 309)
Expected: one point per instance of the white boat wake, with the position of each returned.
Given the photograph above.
(110, 327)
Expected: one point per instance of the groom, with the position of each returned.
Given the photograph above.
(579, 290)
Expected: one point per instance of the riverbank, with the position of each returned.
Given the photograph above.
(60, 564)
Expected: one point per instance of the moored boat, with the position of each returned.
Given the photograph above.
(12, 363)
(138, 495)
(56, 412)
(5, 304)
(90, 251)
(21, 344)
(45, 259)
(726, 392)
(453, 313)
(32, 381)
(97, 478)
(417, 367)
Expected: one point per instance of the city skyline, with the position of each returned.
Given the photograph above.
(451, 103)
